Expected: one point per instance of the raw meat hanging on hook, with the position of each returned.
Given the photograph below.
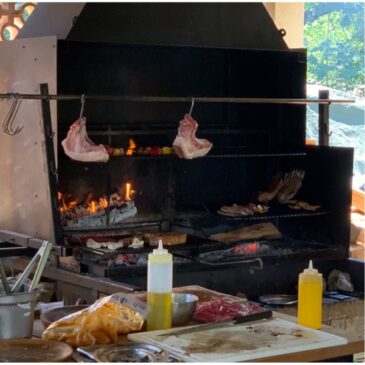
(186, 144)
(79, 147)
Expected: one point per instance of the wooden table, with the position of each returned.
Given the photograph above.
(355, 341)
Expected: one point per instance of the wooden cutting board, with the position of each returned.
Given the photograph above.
(34, 350)
(242, 342)
(255, 231)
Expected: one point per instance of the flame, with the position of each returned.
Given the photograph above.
(132, 147)
(128, 191)
(75, 208)
(91, 209)
(95, 206)
(103, 203)
(64, 206)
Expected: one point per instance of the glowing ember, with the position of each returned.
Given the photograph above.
(132, 147)
(246, 248)
(252, 247)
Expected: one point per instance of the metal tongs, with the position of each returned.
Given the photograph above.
(42, 254)
(266, 314)
(4, 279)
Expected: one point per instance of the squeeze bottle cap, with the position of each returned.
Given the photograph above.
(310, 270)
(160, 250)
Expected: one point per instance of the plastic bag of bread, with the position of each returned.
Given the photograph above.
(101, 323)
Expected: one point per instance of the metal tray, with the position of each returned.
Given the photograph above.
(126, 353)
(278, 299)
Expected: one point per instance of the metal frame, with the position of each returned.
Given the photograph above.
(182, 99)
(323, 119)
(51, 164)
(45, 97)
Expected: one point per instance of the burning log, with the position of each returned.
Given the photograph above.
(94, 213)
(116, 216)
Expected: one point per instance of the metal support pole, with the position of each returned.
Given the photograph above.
(51, 165)
(323, 119)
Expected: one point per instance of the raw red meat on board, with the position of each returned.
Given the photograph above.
(220, 310)
(186, 144)
(79, 147)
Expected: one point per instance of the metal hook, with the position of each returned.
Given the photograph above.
(7, 125)
(19, 127)
(6, 119)
(192, 106)
(82, 106)
(254, 268)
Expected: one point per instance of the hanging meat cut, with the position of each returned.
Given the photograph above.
(186, 144)
(79, 147)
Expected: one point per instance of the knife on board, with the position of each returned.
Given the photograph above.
(204, 327)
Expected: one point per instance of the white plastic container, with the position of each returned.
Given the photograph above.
(17, 314)
(159, 289)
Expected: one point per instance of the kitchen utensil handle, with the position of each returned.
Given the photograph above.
(253, 317)
(84, 352)
(25, 274)
(29, 268)
(4, 279)
(198, 328)
(42, 263)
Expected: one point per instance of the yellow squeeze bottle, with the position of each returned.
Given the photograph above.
(159, 289)
(310, 297)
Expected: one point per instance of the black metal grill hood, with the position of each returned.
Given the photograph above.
(234, 25)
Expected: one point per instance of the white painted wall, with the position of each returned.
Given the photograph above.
(289, 16)
(51, 19)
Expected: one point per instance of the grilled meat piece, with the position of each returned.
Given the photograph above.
(304, 205)
(292, 182)
(242, 210)
(275, 186)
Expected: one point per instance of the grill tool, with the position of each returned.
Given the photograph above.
(42, 254)
(209, 326)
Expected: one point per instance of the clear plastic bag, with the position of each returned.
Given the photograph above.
(101, 323)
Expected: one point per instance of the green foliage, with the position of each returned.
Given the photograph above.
(334, 37)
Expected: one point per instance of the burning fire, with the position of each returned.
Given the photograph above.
(96, 205)
(64, 205)
(91, 205)
(132, 147)
(128, 191)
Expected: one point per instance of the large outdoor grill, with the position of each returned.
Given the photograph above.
(251, 104)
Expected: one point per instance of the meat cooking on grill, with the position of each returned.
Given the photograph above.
(79, 147)
(292, 182)
(186, 144)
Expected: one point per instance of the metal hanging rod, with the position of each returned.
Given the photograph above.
(179, 99)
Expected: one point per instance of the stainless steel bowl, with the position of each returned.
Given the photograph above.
(278, 299)
(183, 307)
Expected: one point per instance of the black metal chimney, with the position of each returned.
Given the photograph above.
(233, 25)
